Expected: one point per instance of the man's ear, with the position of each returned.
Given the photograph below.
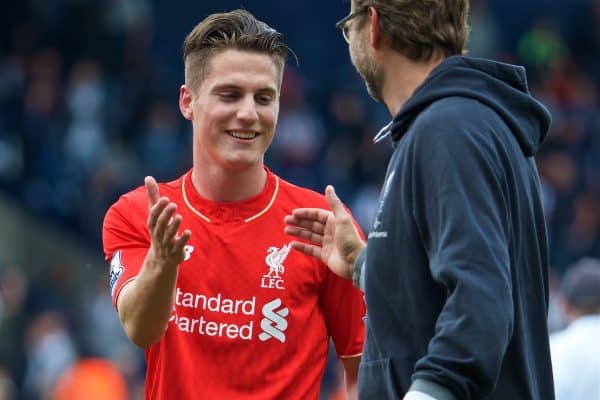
(375, 30)
(185, 102)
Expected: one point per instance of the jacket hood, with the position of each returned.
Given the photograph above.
(503, 87)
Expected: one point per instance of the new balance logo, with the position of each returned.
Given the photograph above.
(274, 323)
(188, 249)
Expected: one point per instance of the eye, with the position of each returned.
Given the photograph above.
(264, 99)
(229, 96)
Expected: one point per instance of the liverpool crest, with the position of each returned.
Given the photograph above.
(274, 260)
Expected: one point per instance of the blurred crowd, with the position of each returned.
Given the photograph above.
(88, 107)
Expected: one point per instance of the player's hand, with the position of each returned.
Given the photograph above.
(331, 235)
(166, 247)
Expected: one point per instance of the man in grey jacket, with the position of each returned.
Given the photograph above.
(455, 267)
(576, 350)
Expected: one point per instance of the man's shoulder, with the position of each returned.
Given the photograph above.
(456, 114)
(455, 125)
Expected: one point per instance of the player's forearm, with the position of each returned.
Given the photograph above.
(351, 390)
(351, 376)
(145, 305)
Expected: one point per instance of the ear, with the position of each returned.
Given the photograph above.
(185, 102)
(375, 29)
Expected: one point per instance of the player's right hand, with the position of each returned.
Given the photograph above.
(331, 235)
(167, 247)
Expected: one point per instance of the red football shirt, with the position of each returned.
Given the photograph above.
(252, 317)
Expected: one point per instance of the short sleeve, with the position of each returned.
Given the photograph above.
(343, 307)
(344, 310)
(126, 242)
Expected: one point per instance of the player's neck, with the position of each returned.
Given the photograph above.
(219, 185)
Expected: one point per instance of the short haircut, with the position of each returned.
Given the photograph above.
(418, 29)
(238, 30)
(581, 286)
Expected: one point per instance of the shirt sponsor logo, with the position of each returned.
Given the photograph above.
(275, 258)
(213, 305)
(215, 310)
(116, 269)
(274, 323)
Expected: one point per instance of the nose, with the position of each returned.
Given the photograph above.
(247, 111)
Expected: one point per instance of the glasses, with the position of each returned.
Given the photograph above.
(342, 24)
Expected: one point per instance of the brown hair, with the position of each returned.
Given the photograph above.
(420, 28)
(237, 29)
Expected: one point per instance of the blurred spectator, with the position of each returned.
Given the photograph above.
(300, 133)
(346, 125)
(576, 350)
(8, 389)
(556, 318)
(541, 46)
(105, 338)
(366, 203)
(91, 379)
(50, 351)
(11, 147)
(161, 149)
(484, 36)
(584, 230)
(13, 294)
(86, 139)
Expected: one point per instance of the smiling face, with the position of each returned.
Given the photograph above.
(234, 110)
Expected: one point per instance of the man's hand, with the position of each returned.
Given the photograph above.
(166, 247)
(332, 236)
(146, 302)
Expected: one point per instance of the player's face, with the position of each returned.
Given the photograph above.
(234, 111)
